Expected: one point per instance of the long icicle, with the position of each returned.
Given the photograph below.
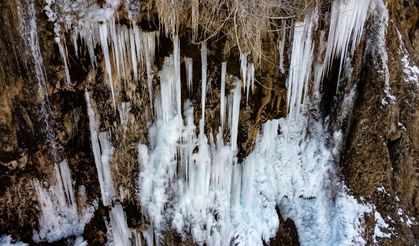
(203, 84)
(222, 95)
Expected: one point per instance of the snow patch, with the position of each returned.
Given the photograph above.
(379, 225)
(411, 72)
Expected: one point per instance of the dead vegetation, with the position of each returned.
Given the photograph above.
(246, 24)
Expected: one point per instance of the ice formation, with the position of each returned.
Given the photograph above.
(6, 240)
(222, 93)
(102, 152)
(60, 214)
(203, 84)
(29, 33)
(121, 234)
(192, 181)
(124, 109)
(247, 72)
(346, 27)
(301, 62)
(125, 48)
(189, 77)
(196, 185)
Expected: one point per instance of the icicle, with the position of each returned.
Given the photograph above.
(189, 73)
(123, 40)
(281, 48)
(140, 48)
(249, 80)
(230, 110)
(148, 236)
(195, 18)
(166, 90)
(137, 239)
(102, 150)
(64, 57)
(59, 217)
(115, 49)
(124, 109)
(301, 62)
(346, 26)
(222, 94)
(235, 114)
(243, 69)
(121, 234)
(176, 63)
(149, 43)
(133, 54)
(104, 44)
(63, 176)
(203, 85)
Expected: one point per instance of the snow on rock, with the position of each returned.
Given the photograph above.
(411, 72)
(377, 46)
(380, 224)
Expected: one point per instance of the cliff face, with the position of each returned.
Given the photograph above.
(58, 98)
(381, 148)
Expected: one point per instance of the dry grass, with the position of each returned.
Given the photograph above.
(245, 23)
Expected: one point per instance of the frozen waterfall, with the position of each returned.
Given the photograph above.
(191, 180)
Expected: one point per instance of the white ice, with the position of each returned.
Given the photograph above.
(222, 93)
(102, 152)
(121, 234)
(6, 240)
(194, 182)
(300, 65)
(346, 27)
(60, 216)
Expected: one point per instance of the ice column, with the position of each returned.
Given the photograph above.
(222, 95)
(235, 114)
(189, 73)
(300, 67)
(203, 85)
(176, 62)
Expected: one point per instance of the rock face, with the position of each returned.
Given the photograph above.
(45, 120)
(382, 145)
